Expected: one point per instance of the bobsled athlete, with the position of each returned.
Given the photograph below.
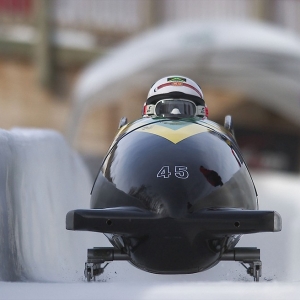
(175, 96)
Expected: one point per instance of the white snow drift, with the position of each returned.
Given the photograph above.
(41, 179)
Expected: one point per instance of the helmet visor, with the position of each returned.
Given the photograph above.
(179, 108)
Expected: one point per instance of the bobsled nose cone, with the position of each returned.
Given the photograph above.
(176, 211)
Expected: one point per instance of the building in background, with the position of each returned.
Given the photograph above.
(46, 44)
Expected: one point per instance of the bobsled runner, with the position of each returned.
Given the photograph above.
(174, 196)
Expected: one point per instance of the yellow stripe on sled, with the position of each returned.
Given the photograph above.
(174, 136)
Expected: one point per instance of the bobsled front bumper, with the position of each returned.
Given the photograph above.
(136, 221)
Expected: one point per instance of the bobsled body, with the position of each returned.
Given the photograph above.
(174, 168)
(174, 195)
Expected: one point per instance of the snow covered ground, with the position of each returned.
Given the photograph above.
(42, 179)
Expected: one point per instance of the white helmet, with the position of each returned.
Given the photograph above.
(175, 96)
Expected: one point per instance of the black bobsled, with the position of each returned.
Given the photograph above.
(174, 196)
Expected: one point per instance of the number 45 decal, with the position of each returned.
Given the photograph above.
(179, 171)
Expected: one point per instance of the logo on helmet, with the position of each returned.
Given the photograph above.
(178, 79)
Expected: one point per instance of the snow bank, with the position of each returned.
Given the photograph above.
(41, 179)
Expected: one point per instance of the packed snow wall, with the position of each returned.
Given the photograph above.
(279, 251)
(41, 179)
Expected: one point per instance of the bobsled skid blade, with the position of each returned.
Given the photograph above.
(132, 220)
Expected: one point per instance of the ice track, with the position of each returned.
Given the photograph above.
(42, 178)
